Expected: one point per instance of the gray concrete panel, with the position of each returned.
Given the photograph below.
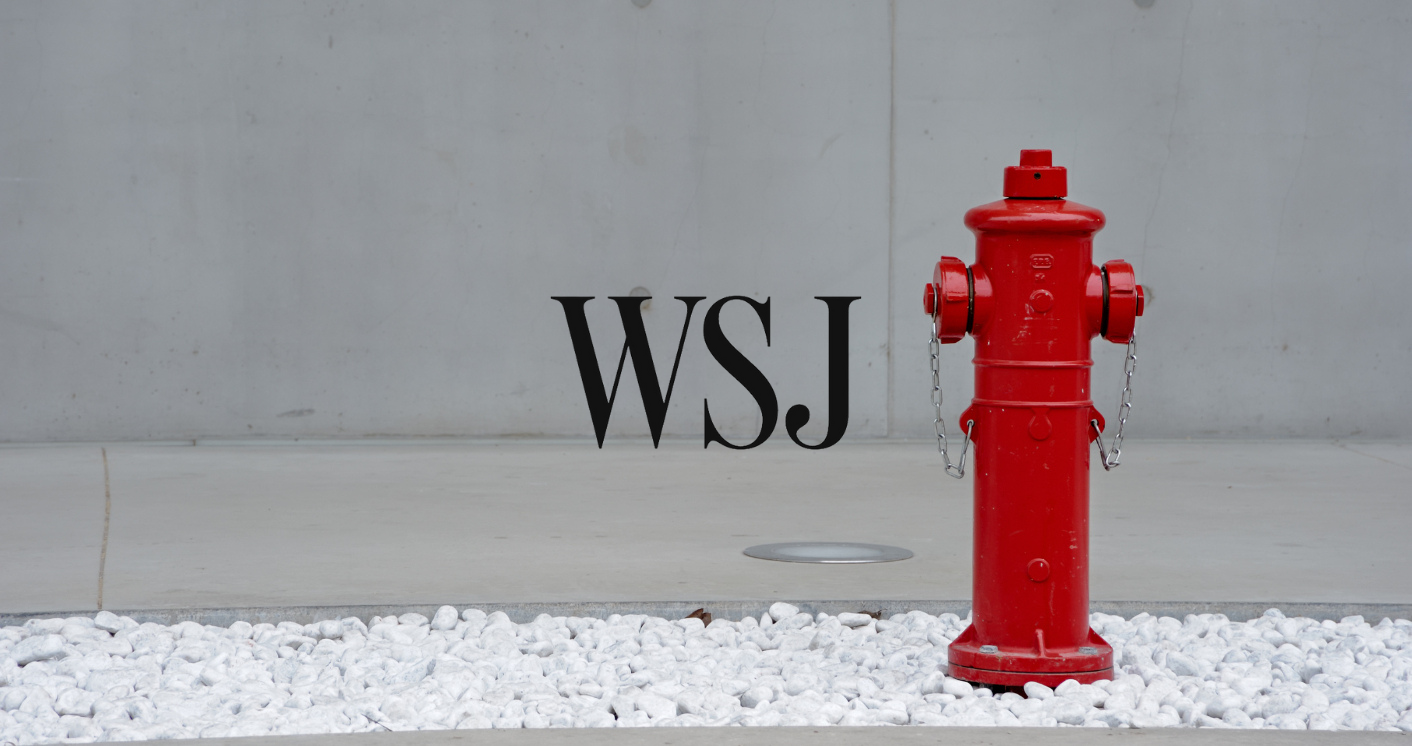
(345, 221)
(1252, 161)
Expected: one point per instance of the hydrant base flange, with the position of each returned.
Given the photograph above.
(1020, 678)
(970, 660)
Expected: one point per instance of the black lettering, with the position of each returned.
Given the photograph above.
(742, 369)
(600, 402)
(798, 415)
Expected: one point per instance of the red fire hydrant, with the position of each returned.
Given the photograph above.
(1032, 300)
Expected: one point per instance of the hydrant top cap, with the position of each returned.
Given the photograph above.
(1036, 177)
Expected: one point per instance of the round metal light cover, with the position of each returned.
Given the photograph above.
(828, 552)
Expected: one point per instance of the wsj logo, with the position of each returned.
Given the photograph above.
(654, 402)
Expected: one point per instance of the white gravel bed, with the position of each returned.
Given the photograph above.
(109, 678)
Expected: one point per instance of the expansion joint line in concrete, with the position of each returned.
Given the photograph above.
(891, 204)
(107, 518)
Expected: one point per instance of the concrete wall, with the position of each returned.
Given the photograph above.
(339, 219)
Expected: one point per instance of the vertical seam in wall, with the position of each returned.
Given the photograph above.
(891, 193)
(107, 516)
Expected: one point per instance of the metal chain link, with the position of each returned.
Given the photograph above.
(1110, 459)
(957, 469)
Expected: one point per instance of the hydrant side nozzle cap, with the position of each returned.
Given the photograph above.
(1036, 177)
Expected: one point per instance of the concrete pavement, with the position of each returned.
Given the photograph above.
(917, 736)
(332, 525)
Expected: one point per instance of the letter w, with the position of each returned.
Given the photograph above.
(600, 402)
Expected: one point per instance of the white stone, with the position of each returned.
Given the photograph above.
(38, 648)
(1036, 690)
(656, 707)
(957, 688)
(1068, 711)
(781, 610)
(108, 621)
(795, 621)
(1287, 721)
(488, 671)
(801, 683)
(75, 702)
(756, 696)
(445, 618)
(734, 687)
(1182, 664)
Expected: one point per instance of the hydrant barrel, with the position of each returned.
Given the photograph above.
(1039, 304)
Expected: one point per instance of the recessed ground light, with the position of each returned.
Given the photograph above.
(828, 552)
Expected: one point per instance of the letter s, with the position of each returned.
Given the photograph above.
(742, 369)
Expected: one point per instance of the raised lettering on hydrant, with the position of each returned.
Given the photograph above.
(1032, 300)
